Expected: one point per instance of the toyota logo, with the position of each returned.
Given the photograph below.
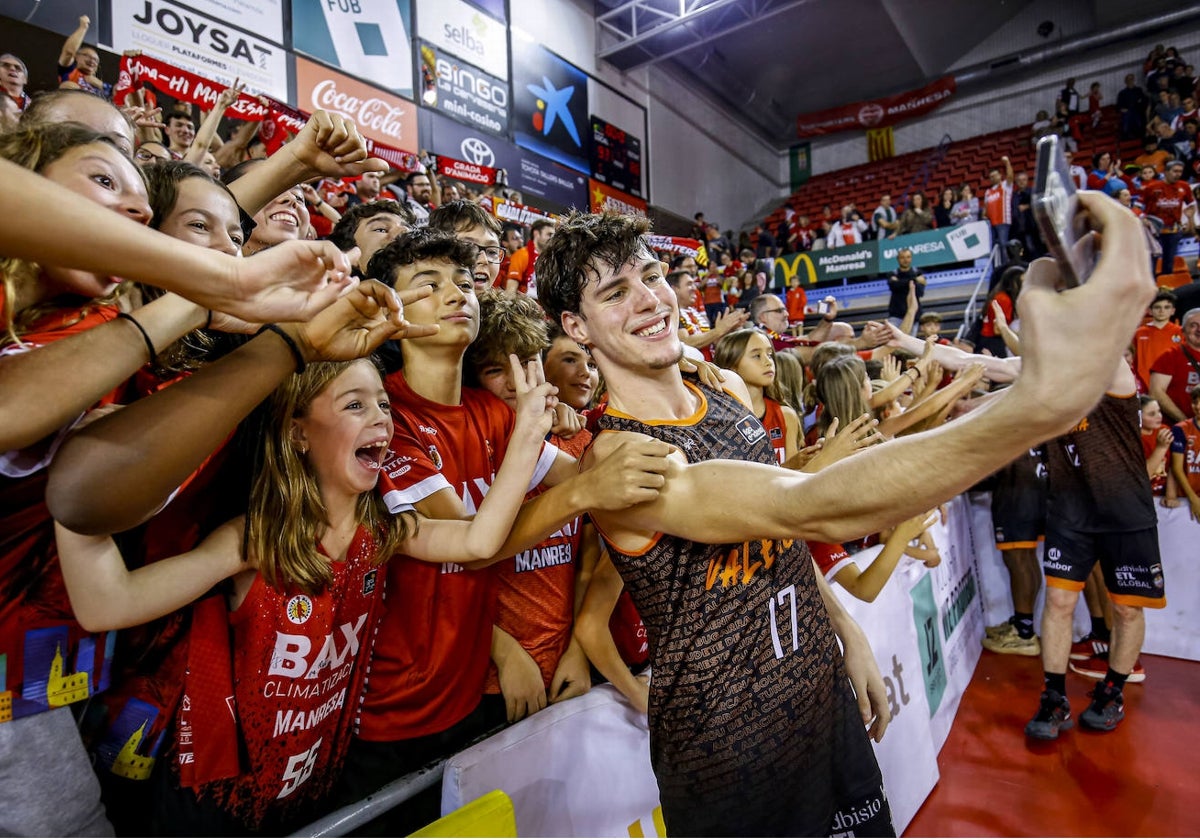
(477, 152)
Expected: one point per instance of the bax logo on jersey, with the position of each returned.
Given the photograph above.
(550, 107)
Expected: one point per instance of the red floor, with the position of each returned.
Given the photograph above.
(1141, 780)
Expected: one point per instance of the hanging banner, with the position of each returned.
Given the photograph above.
(799, 164)
(881, 143)
(380, 116)
(550, 107)
(512, 211)
(877, 112)
(693, 248)
(460, 170)
(370, 38)
(463, 91)
(181, 84)
(209, 45)
(603, 198)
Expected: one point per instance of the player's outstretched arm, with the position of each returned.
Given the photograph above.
(1067, 366)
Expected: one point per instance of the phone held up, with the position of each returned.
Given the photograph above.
(1058, 214)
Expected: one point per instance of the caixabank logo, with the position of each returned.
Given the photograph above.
(550, 107)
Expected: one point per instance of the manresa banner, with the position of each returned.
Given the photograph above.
(938, 247)
(464, 31)
(221, 46)
(876, 258)
(371, 39)
(463, 91)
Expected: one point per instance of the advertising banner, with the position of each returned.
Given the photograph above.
(371, 39)
(462, 91)
(876, 258)
(528, 173)
(221, 46)
(466, 32)
(616, 157)
(512, 211)
(550, 107)
(877, 112)
(180, 84)
(799, 164)
(460, 170)
(603, 197)
(938, 247)
(380, 116)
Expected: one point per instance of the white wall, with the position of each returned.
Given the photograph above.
(699, 158)
(1013, 102)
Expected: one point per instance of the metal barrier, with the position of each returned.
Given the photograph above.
(973, 305)
(341, 822)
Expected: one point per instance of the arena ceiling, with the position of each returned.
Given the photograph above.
(770, 60)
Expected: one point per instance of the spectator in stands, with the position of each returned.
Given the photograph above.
(765, 247)
(966, 209)
(366, 189)
(79, 64)
(713, 294)
(522, 265)
(750, 354)
(1004, 294)
(369, 227)
(1042, 125)
(1156, 337)
(1176, 371)
(941, 210)
(1069, 97)
(1156, 445)
(1024, 228)
(151, 152)
(419, 199)
(1095, 97)
(884, 218)
(848, 231)
(1133, 107)
(997, 201)
(901, 281)
(1104, 175)
(466, 221)
(1185, 455)
(1185, 140)
(699, 227)
(180, 131)
(1168, 106)
(694, 329)
(717, 242)
(917, 217)
(1172, 203)
(13, 78)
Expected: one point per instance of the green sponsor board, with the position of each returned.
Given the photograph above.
(929, 641)
(938, 247)
(877, 258)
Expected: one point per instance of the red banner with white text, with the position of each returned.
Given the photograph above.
(876, 112)
(461, 170)
(181, 84)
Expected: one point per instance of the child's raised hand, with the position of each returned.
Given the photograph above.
(536, 398)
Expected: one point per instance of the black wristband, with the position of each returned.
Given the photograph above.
(289, 341)
(145, 335)
(208, 320)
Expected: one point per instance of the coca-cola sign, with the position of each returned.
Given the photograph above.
(381, 116)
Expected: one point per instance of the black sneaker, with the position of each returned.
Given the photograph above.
(1053, 715)
(1106, 710)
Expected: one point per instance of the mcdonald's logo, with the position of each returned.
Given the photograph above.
(788, 266)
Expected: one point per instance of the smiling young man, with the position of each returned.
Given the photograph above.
(437, 634)
(753, 723)
(467, 221)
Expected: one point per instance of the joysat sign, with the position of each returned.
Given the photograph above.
(379, 115)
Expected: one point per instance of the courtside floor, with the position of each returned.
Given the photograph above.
(1141, 780)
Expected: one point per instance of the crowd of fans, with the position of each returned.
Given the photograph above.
(202, 476)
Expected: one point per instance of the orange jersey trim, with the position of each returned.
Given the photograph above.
(1138, 601)
(1063, 583)
(1011, 545)
(686, 421)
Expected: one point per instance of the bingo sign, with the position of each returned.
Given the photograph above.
(368, 38)
(462, 91)
(211, 39)
(380, 116)
(616, 157)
